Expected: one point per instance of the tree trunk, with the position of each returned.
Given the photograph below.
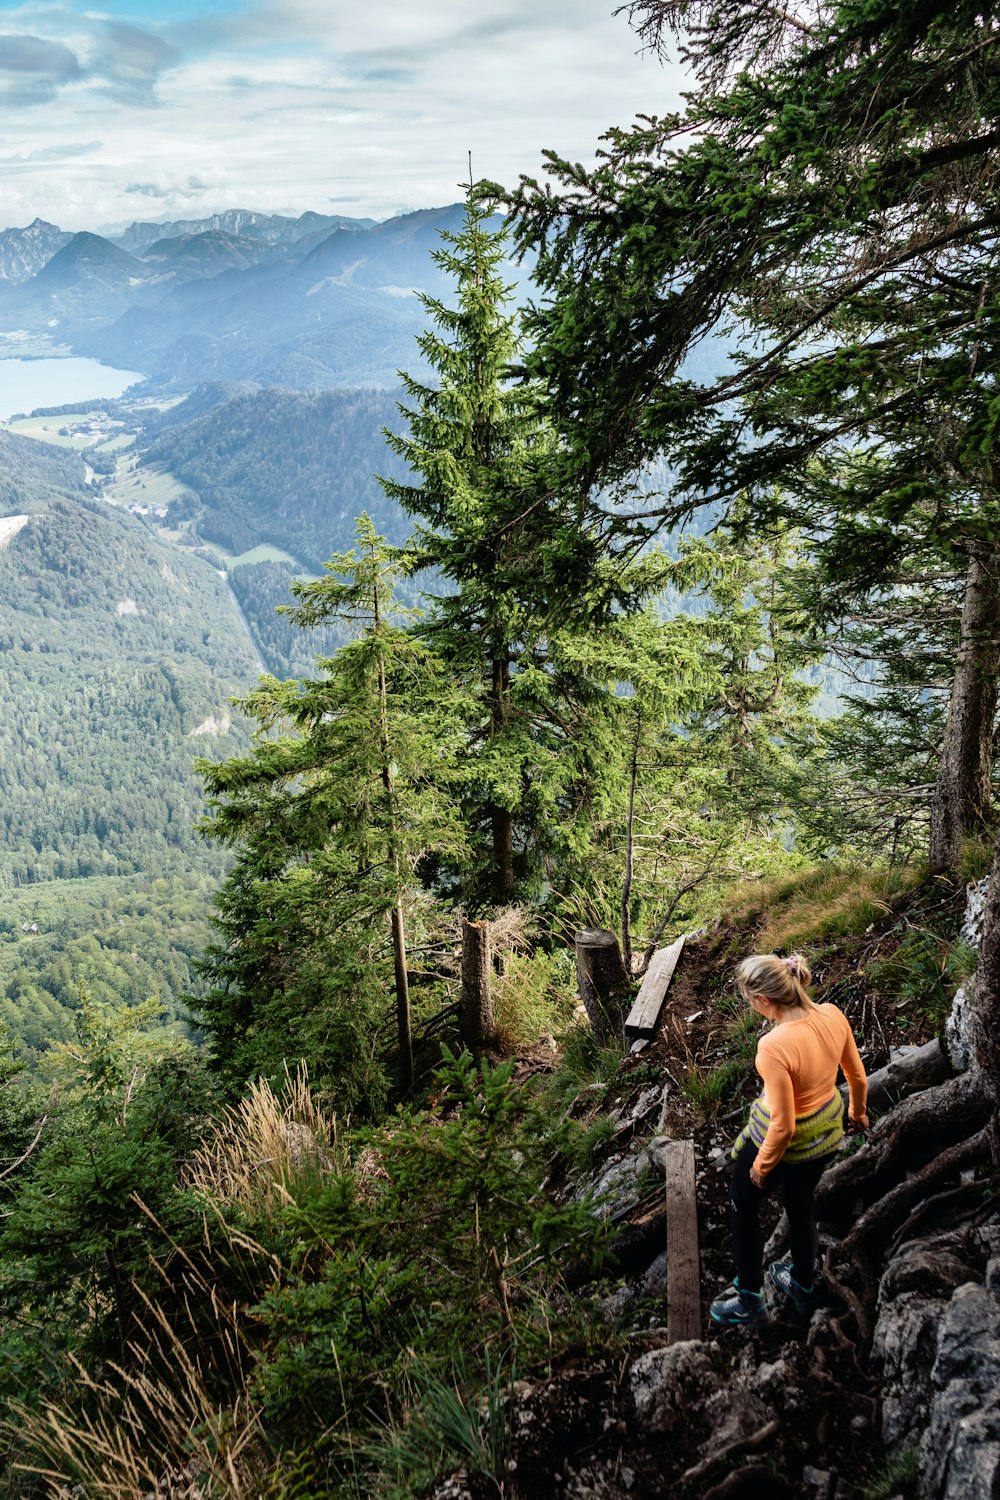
(630, 845)
(402, 1000)
(962, 795)
(476, 1014)
(603, 983)
(986, 1006)
(501, 820)
(403, 1026)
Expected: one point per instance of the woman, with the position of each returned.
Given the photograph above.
(794, 1130)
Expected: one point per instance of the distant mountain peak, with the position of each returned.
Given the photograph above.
(273, 229)
(23, 252)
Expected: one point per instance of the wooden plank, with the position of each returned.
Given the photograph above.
(642, 1018)
(683, 1270)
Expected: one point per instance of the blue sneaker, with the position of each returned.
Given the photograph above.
(737, 1308)
(804, 1297)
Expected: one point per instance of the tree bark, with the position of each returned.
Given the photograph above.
(403, 1026)
(603, 983)
(501, 819)
(961, 803)
(626, 903)
(476, 1015)
(986, 1006)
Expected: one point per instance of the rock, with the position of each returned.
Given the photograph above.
(733, 1413)
(774, 1379)
(616, 1187)
(976, 893)
(617, 1303)
(934, 1267)
(654, 1282)
(958, 1029)
(903, 1348)
(456, 1487)
(656, 1154)
(647, 1101)
(960, 1451)
(667, 1384)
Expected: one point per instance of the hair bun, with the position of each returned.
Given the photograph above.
(798, 969)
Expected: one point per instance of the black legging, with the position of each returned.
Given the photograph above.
(796, 1183)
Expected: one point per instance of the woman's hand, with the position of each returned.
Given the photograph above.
(854, 1127)
(756, 1178)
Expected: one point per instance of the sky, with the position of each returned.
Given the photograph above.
(179, 109)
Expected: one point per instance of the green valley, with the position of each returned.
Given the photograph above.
(120, 654)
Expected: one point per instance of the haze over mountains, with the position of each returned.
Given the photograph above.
(313, 303)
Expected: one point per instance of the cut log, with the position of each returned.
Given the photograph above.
(476, 1014)
(642, 1018)
(683, 1271)
(603, 982)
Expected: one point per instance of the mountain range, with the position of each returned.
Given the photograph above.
(311, 303)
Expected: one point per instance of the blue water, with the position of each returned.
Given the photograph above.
(27, 383)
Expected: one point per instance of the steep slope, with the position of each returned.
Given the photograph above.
(206, 254)
(85, 285)
(32, 472)
(347, 313)
(118, 658)
(284, 467)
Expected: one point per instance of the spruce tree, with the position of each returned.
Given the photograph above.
(828, 201)
(475, 443)
(347, 788)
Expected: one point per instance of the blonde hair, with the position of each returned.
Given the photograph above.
(781, 980)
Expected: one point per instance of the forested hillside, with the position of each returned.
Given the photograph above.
(285, 467)
(119, 657)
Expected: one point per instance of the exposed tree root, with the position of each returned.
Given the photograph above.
(947, 1209)
(903, 1141)
(740, 1445)
(883, 1217)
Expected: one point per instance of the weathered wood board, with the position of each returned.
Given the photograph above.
(642, 1018)
(683, 1269)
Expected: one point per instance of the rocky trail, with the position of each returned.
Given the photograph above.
(892, 1388)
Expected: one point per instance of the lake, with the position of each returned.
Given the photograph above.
(27, 383)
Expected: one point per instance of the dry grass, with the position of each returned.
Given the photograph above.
(814, 905)
(267, 1148)
(152, 1431)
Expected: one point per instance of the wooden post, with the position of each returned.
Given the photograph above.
(476, 1015)
(603, 982)
(683, 1272)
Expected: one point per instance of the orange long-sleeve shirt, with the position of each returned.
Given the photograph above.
(798, 1061)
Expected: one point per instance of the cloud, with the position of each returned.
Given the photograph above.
(28, 159)
(129, 62)
(286, 105)
(32, 69)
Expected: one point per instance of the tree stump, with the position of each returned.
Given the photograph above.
(603, 982)
(476, 1012)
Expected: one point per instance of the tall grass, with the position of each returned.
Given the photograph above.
(176, 1418)
(266, 1149)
